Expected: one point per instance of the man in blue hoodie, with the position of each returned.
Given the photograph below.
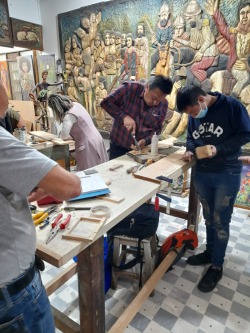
(223, 123)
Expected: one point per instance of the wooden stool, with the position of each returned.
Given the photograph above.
(120, 251)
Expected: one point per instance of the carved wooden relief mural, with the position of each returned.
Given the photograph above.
(206, 43)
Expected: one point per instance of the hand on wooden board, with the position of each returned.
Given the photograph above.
(141, 144)
(188, 155)
(129, 123)
(244, 159)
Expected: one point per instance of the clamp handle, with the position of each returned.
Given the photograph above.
(54, 224)
(63, 224)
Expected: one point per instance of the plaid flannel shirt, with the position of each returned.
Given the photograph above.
(128, 100)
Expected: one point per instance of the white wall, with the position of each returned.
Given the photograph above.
(49, 11)
(27, 10)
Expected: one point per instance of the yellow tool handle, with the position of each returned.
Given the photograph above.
(36, 222)
(35, 217)
(149, 162)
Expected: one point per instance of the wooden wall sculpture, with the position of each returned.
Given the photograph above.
(202, 42)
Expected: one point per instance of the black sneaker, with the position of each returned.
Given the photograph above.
(200, 259)
(210, 280)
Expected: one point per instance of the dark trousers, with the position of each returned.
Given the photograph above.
(116, 151)
(217, 193)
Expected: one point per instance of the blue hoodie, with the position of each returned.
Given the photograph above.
(225, 126)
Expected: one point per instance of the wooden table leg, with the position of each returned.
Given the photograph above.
(90, 267)
(194, 205)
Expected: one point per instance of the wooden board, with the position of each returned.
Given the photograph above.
(44, 135)
(111, 198)
(144, 158)
(26, 109)
(85, 229)
(203, 152)
(171, 166)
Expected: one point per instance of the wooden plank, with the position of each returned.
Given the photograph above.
(203, 152)
(174, 212)
(64, 323)
(171, 166)
(26, 110)
(44, 135)
(123, 321)
(194, 205)
(48, 255)
(60, 279)
(111, 198)
(90, 265)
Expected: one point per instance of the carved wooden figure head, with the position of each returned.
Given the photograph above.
(129, 40)
(123, 40)
(67, 46)
(118, 38)
(107, 38)
(164, 15)
(81, 72)
(85, 23)
(93, 18)
(98, 40)
(112, 38)
(102, 82)
(193, 13)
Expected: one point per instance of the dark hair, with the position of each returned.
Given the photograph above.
(118, 34)
(59, 104)
(143, 26)
(23, 60)
(188, 96)
(248, 60)
(81, 70)
(77, 42)
(162, 82)
(243, 5)
(102, 79)
(100, 37)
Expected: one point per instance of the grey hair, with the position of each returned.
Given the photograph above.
(59, 104)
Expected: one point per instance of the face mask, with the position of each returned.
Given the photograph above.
(202, 112)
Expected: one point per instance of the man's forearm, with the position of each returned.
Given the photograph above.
(233, 143)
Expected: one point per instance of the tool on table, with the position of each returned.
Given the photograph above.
(100, 211)
(56, 226)
(33, 208)
(39, 217)
(117, 166)
(90, 172)
(146, 164)
(77, 208)
(136, 143)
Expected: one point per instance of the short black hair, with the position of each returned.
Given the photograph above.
(188, 96)
(243, 5)
(81, 71)
(22, 60)
(162, 82)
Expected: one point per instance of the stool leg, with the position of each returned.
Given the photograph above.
(116, 254)
(124, 251)
(148, 262)
(153, 244)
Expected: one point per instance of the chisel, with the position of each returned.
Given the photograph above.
(77, 208)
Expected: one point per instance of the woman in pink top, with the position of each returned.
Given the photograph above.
(77, 123)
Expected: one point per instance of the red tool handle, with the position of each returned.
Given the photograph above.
(54, 224)
(156, 203)
(63, 225)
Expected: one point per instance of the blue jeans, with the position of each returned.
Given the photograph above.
(217, 194)
(28, 311)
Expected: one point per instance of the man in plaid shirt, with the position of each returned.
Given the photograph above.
(137, 109)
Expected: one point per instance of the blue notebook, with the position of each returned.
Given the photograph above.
(92, 186)
(91, 195)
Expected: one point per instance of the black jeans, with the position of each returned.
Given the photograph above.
(116, 151)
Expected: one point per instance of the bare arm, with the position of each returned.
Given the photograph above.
(59, 184)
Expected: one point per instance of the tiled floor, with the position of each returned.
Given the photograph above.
(178, 306)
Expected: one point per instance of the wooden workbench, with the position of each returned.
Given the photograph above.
(90, 258)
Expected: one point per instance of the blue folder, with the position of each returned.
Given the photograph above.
(91, 195)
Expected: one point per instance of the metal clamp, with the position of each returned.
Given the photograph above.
(165, 179)
(164, 197)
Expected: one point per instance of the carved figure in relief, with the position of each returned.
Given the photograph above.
(83, 34)
(72, 90)
(162, 67)
(239, 39)
(202, 41)
(110, 56)
(123, 44)
(119, 59)
(84, 85)
(69, 60)
(142, 50)
(163, 33)
(100, 93)
(98, 54)
(94, 21)
(76, 51)
(129, 68)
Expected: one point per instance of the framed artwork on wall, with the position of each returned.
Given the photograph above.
(243, 196)
(26, 75)
(4, 77)
(5, 25)
(27, 35)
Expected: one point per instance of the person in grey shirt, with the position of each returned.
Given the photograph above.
(24, 305)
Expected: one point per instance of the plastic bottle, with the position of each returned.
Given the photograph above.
(154, 145)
